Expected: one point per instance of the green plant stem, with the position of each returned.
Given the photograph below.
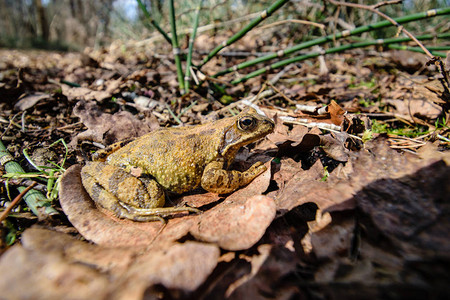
(438, 48)
(295, 59)
(35, 200)
(264, 15)
(175, 46)
(191, 47)
(331, 37)
(416, 49)
(152, 21)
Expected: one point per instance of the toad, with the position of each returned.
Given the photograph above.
(131, 180)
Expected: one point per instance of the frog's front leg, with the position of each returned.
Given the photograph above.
(138, 199)
(217, 180)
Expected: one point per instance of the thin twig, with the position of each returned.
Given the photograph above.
(281, 93)
(16, 200)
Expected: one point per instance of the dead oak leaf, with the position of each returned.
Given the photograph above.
(106, 128)
(30, 100)
(77, 93)
(236, 225)
(180, 266)
(66, 266)
(239, 221)
(114, 260)
(48, 276)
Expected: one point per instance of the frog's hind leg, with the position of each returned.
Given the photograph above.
(108, 201)
(125, 195)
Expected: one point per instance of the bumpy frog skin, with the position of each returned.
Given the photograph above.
(175, 160)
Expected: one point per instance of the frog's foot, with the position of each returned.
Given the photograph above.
(217, 180)
(159, 213)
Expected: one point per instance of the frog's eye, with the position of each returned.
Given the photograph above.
(247, 123)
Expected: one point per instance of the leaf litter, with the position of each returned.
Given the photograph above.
(331, 216)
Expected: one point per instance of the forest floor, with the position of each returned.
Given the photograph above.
(355, 201)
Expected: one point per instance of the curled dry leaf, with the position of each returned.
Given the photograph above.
(236, 223)
(29, 101)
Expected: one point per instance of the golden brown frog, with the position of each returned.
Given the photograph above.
(174, 160)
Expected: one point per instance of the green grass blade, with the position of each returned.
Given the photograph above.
(191, 47)
(416, 49)
(175, 47)
(34, 199)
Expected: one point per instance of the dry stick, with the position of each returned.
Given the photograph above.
(16, 200)
(281, 93)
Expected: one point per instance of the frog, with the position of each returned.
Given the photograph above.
(131, 179)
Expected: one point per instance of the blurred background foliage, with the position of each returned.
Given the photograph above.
(75, 24)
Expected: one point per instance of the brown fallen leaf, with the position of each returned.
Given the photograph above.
(256, 262)
(64, 266)
(411, 208)
(334, 146)
(239, 221)
(106, 128)
(336, 193)
(114, 260)
(179, 266)
(82, 93)
(336, 113)
(48, 276)
(29, 101)
(417, 107)
(236, 225)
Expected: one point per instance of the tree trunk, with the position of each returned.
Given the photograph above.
(42, 20)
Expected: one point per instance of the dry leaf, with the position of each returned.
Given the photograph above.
(236, 225)
(178, 266)
(48, 276)
(106, 128)
(239, 222)
(30, 100)
(82, 93)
